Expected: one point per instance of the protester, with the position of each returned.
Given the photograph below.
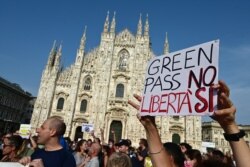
(89, 142)
(177, 158)
(123, 147)
(106, 151)
(53, 153)
(225, 115)
(142, 151)
(157, 152)
(69, 143)
(184, 147)
(193, 158)
(80, 152)
(118, 159)
(26, 149)
(92, 160)
(11, 146)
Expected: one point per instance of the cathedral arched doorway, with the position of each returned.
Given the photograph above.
(176, 138)
(78, 133)
(116, 126)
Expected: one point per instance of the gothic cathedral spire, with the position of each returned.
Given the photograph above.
(106, 24)
(58, 56)
(112, 28)
(52, 55)
(80, 51)
(139, 27)
(166, 45)
(146, 27)
(83, 39)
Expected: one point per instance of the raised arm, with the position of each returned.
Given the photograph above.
(102, 136)
(159, 156)
(114, 137)
(95, 139)
(33, 143)
(225, 115)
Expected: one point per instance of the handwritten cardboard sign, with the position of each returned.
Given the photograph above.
(179, 83)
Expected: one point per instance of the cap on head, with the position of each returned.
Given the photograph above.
(122, 142)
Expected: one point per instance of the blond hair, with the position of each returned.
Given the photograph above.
(118, 159)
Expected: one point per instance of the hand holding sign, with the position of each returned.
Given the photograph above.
(145, 120)
(226, 113)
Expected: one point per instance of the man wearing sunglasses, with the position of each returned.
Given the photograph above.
(11, 145)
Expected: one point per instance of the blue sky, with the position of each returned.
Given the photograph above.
(28, 29)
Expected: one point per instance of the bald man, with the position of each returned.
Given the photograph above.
(53, 153)
(93, 152)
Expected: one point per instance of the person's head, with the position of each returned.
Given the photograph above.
(81, 146)
(184, 147)
(214, 163)
(175, 153)
(111, 143)
(123, 145)
(217, 154)
(12, 144)
(53, 127)
(193, 157)
(94, 150)
(106, 150)
(69, 141)
(98, 140)
(129, 142)
(118, 159)
(89, 142)
(143, 143)
(9, 134)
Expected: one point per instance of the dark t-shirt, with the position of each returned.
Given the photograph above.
(144, 154)
(134, 160)
(58, 158)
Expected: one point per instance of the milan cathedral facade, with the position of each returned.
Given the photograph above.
(95, 89)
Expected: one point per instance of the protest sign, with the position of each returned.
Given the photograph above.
(179, 83)
(87, 127)
(24, 130)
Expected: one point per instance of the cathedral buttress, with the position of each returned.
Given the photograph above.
(75, 85)
(46, 91)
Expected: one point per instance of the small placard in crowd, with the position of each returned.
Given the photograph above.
(87, 127)
(24, 130)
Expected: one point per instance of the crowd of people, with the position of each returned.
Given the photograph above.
(50, 149)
